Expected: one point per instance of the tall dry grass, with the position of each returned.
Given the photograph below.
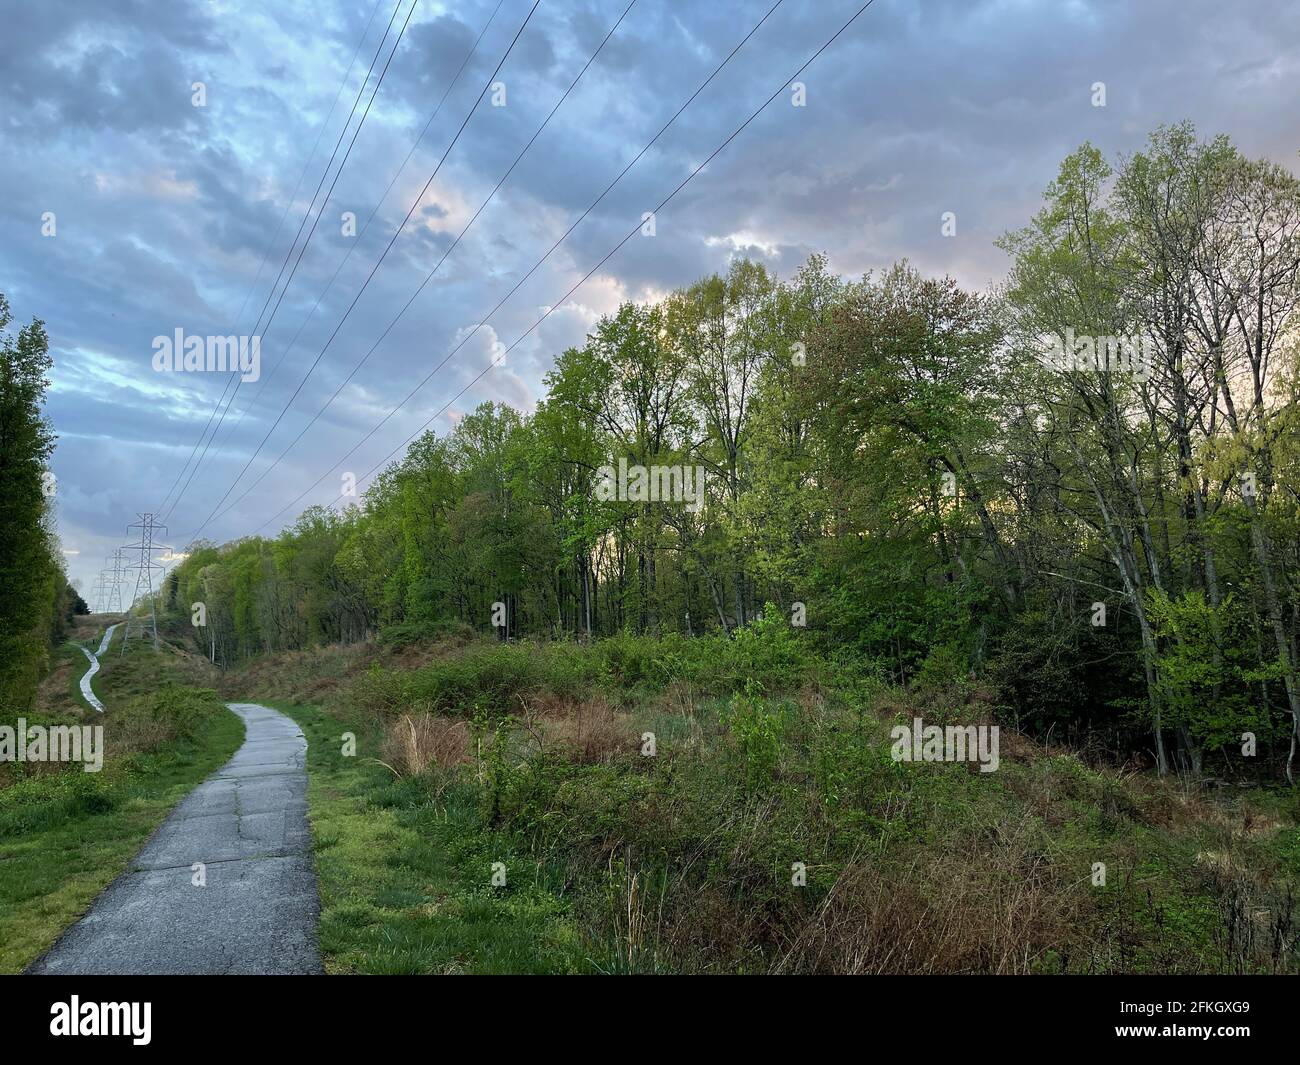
(415, 742)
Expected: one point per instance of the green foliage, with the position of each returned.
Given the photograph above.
(1207, 668)
(892, 458)
(172, 712)
(758, 732)
(405, 633)
(487, 674)
(768, 654)
(41, 802)
(684, 862)
(171, 718)
(36, 600)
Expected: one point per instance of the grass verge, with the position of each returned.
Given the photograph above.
(66, 834)
(406, 875)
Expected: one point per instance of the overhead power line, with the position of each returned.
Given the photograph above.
(443, 258)
(266, 252)
(369, 277)
(635, 229)
(518, 284)
(265, 383)
(260, 329)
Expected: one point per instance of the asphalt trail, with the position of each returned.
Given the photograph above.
(257, 912)
(86, 689)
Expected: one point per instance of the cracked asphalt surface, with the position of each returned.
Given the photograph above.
(247, 824)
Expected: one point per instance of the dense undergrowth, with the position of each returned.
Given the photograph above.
(769, 831)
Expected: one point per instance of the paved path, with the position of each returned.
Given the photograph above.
(257, 914)
(86, 689)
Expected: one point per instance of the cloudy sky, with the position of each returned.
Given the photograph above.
(128, 212)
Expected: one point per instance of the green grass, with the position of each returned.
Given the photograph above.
(143, 670)
(405, 876)
(69, 655)
(65, 836)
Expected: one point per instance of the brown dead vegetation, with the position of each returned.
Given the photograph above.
(588, 730)
(416, 742)
(989, 905)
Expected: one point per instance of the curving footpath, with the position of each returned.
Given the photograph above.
(257, 910)
(86, 689)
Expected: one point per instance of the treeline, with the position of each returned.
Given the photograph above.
(36, 601)
(932, 481)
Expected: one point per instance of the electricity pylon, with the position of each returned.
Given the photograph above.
(144, 570)
(116, 578)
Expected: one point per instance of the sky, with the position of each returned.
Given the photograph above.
(160, 162)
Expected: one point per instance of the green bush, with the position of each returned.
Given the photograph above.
(138, 727)
(493, 675)
(770, 652)
(486, 674)
(406, 633)
(174, 712)
(759, 731)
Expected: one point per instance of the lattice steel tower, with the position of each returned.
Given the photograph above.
(116, 577)
(144, 570)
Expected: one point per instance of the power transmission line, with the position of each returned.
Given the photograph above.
(271, 243)
(259, 328)
(464, 340)
(717, 151)
(443, 258)
(265, 383)
(374, 269)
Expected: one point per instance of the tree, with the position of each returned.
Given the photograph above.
(29, 571)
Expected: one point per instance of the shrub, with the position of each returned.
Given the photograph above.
(172, 713)
(48, 799)
(492, 675)
(408, 632)
(770, 652)
(758, 730)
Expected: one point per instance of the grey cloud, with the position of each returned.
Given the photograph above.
(165, 213)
